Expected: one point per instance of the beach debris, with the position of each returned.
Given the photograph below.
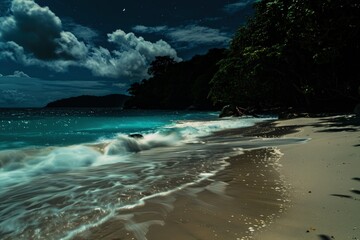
(236, 111)
(292, 115)
(311, 229)
(229, 111)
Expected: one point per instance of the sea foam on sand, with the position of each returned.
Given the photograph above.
(292, 191)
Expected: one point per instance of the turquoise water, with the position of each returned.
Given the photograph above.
(44, 127)
(65, 171)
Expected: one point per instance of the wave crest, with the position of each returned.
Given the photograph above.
(125, 144)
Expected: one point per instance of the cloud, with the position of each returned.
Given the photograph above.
(13, 51)
(70, 46)
(4, 7)
(82, 32)
(14, 98)
(199, 35)
(16, 74)
(237, 6)
(20, 74)
(131, 58)
(34, 35)
(121, 85)
(15, 92)
(192, 35)
(36, 29)
(32, 27)
(144, 29)
(129, 41)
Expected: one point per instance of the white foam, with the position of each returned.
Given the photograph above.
(124, 144)
(194, 129)
(25, 165)
(22, 166)
(217, 187)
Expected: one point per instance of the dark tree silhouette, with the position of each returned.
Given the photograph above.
(174, 85)
(160, 65)
(294, 53)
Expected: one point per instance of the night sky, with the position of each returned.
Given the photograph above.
(51, 49)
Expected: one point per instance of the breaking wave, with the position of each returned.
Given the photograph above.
(59, 191)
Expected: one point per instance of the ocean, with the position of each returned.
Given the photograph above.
(65, 171)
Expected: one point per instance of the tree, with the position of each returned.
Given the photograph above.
(177, 85)
(293, 53)
(160, 65)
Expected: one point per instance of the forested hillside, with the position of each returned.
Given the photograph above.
(291, 53)
(177, 85)
(303, 54)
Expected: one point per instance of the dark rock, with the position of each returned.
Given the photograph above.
(236, 111)
(229, 111)
(291, 115)
(357, 110)
(136, 135)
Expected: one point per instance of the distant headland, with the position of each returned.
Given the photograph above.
(87, 101)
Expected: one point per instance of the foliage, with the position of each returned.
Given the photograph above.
(176, 85)
(160, 65)
(300, 53)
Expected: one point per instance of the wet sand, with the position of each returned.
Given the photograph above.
(314, 195)
(242, 199)
(325, 181)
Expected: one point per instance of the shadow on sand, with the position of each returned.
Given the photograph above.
(352, 191)
(325, 237)
(349, 123)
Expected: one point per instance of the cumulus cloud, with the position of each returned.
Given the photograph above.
(192, 35)
(131, 57)
(113, 64)
(32, 27)
(69, 46)
(129, 41)
(237, 6)
(20, 74)
(16, 74)
(36, 29)
(34, 35)
(13, 51)
(82, 32)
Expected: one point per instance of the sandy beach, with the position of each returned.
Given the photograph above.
(325, 181)
(306, 190)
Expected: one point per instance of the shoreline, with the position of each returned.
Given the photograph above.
(244, 197)
(298, 202)
(248, 195)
